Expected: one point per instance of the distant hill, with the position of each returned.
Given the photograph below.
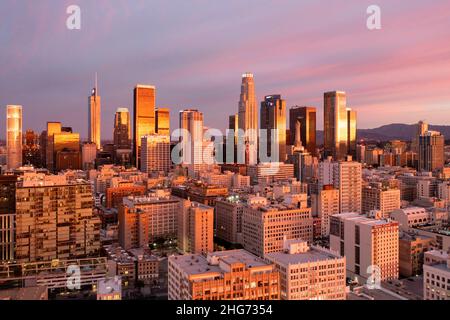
(392, 131)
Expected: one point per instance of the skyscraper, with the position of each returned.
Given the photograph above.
(307, 117)
(233, 125)
(431, 151)
(7, 217)
(421, 128)
(155, 153)
(14, 136)
(52, 129)
(335, 125)
(351, 133)
(95, 116)
(191, 122)
(31, 153)
(248, 118)
(122, 129)
(196, 228)
(162, 121)
(273, 117)
(144, 116)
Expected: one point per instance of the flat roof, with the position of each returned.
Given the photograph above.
(194, 264)
(313, 255)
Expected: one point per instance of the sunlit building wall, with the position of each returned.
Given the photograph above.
(162, 121)
(248, 118)
(273, 117)
(14, 136)
(144, 116)
(335, 125)
(95, 118)
(307, 117)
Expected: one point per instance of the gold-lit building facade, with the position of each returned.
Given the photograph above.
(273, 117)
(95, 118)
(162, 121)
(14, 136)
(144, 116)
(340, 126)
(55, 220)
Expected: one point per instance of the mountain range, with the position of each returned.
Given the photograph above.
(393, 131)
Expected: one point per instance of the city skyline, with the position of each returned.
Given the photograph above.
(401, 67)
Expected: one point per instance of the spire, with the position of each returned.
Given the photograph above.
(96, 84)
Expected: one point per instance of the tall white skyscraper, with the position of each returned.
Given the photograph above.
(191, 121)
(248, 118)
(14, 136)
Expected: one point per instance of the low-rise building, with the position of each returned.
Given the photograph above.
(309, 273)
(226, 275)
(436, 275)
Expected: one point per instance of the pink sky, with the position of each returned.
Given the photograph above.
(195, 51)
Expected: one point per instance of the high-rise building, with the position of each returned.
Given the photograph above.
(233, 124)
(155, 154)
(52, 128)
(122, 129)
(95, 114)
(7, 217)
(31, 153)
(265, 226)
(421, 128)
(229, 219)
(346, 176)
(14, 136)
(191, 123)
(431, 151)
(143, 219)
(307, 117)
(248, 118)
(66, 150)
(162, 121)
(380, 198)
(196, 228)
(122, 137)
(273, 117)
(144, 116)
(370, 246)
(351, 133)
(339, 126)
(88, 155)
(196, 277)
(324, 205)
(55, 219)
(301, 277)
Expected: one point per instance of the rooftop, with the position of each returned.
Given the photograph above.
(314, 254)
(195, 264)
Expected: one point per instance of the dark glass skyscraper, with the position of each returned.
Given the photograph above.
(307, 117)
(273, 116)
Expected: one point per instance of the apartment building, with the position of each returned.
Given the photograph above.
(142, 219)
(266, 225)
(55, 219)
(368, 245)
